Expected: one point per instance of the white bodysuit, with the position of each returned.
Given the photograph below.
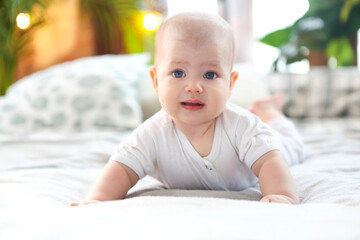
(159, 149)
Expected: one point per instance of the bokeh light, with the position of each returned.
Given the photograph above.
(151, 21)
(23, 20)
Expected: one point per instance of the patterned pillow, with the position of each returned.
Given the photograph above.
(88, 94)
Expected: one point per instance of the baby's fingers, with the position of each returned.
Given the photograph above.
(75, 204)
(277, 199)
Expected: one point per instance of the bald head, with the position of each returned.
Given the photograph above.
(197, 29)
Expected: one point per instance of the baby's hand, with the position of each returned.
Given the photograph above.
(86, 202)
(274, 198)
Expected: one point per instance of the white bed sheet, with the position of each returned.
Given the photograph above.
(41, 174)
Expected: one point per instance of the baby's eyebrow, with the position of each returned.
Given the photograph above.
(215, 65)
(179, 62)
(211, 64)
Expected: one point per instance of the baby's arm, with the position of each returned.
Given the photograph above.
(276, 182)
(113, 183)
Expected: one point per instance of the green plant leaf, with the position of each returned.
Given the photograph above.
(13, 41)
(278, 37)
(114, 24)
(132, 40)
(317, 7)
(341, 50)
(346, 9)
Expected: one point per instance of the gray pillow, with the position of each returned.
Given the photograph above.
(88, 94)
(320, 93)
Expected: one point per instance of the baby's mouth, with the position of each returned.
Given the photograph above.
(192, 105)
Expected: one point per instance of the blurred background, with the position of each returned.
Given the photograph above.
(271, 36)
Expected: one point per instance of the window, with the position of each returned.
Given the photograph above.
(267, 16)
(178, 6)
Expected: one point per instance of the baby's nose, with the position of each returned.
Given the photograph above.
(193, 86)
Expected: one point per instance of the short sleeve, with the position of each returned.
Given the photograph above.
(137, 152)
(254, 138)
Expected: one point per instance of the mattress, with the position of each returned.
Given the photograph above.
(40, 174)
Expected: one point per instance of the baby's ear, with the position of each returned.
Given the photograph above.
(154, 79)
(233, 77)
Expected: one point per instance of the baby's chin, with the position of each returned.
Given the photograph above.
(193, 120)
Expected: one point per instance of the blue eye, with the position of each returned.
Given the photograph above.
(178, 74)
(210, 75)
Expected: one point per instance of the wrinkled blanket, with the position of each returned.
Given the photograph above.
(41, 174)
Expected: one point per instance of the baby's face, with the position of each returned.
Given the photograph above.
(193, 79)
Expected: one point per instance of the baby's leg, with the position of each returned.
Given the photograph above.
(269, 111)
(270, 108)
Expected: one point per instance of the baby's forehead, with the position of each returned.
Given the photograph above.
(196, 28)
(193, 23)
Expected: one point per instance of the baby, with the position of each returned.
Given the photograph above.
(199, 140)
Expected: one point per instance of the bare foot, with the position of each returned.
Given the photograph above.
(269, 108)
